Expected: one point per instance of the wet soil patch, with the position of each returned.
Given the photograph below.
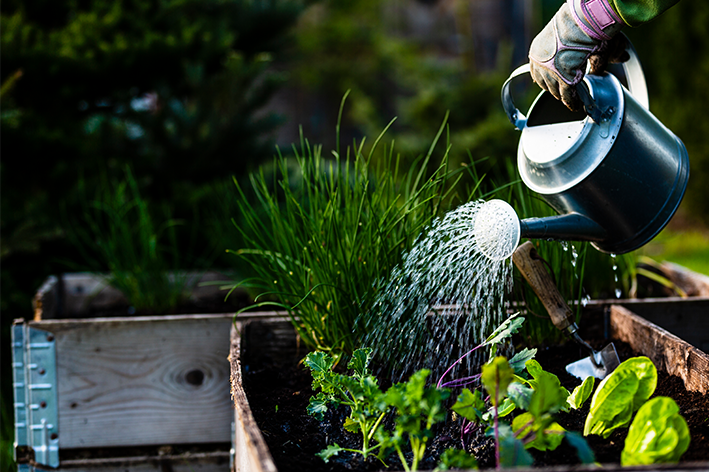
(278, 394)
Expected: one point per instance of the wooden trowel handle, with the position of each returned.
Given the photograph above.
(532, 267)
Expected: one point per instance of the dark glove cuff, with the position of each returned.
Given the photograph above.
(596, 18)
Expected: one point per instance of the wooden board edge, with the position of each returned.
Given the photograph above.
(55, 325)
(218, 456)
(667, 351)
(250, 450)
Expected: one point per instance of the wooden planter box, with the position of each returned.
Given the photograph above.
(121, 393)
(666, 350)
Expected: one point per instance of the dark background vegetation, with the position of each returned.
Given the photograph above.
(189, 93)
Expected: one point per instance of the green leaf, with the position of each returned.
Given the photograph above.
(470, 405)
(581, 393)
(351, 425)
(538, 433)
(520, 394)
(658, 434)
(317, 406)
(360, 362)
(329, 451)
(512, 450)
(583, 450)
(496, 377)
(319, 362)
(456, 459)
(549, 396)
(509, 327)
(619, 394)
(519, 360)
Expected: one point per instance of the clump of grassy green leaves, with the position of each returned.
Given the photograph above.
(322, 231)
(518, 409)
(119, 231)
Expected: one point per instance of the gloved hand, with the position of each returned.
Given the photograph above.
(580, 30)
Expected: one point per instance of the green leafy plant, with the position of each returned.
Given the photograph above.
(321, 232)
(619, 395)
(119, 232)
(658, 434)
(581, 393)
(359, 392)
(417, 408)
(456, 459)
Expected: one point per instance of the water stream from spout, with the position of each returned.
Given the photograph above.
(445, 297)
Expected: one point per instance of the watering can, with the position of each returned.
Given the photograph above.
(613, 172)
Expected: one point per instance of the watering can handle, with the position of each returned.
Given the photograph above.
(518, 119)
(532, 268)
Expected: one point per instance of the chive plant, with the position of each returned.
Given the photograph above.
(324, 229)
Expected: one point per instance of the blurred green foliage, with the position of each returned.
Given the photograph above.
(673, 50)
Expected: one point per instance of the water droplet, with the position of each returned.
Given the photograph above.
(618, 293)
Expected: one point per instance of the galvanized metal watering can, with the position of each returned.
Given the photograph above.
(613, 172)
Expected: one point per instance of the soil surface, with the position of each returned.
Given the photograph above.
(279, 393)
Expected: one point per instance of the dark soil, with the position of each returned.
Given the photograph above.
(279, 393)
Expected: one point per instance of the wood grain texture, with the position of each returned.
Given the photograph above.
(533, 270)
(142, 381)
(666, 350)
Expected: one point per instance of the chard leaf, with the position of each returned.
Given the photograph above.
(619, 394)
(512, 451)
(470, 405)
(360, 362)
(583, 450)
(496, 377)
(509, 327)
(658, 434)
(329, 451)
(549, 396)
(538, 433)
(520, 394)
(506, 407)
(581, 393)
(519, 360)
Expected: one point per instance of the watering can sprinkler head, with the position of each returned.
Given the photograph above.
(498, 229)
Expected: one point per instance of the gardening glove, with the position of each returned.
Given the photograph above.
(580, 30)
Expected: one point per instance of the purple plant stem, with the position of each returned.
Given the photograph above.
(497, 435)
(461, 382)
(440, 381)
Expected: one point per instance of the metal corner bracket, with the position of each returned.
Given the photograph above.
(34, 372)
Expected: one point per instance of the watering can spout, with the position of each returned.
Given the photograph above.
(568, 227)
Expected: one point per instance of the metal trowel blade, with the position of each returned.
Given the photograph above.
(607, 360)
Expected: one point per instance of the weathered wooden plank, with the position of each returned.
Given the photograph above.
(251, 453)
(687, 318)
(693, 283)
(142, 381)
(192, 462)
(666, 350)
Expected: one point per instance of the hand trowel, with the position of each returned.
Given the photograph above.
(599, 363)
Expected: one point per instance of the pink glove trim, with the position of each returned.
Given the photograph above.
(599, 14)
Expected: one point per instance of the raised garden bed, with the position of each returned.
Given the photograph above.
(99, 390)
(267, 383)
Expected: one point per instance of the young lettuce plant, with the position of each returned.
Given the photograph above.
(620, 395)
(658, 434)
